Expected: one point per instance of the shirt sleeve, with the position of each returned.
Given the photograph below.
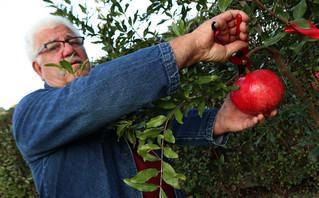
(198, 131)
(50, 118)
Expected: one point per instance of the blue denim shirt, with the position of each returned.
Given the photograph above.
(62, 132)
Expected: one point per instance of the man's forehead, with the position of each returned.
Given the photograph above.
(51, 34)
(66, 36)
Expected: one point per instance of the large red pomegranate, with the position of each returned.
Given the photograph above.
(314, 83)
(260, 91)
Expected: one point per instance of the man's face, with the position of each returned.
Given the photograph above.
(48, 74)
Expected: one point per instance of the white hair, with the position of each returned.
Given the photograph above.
(49, 22)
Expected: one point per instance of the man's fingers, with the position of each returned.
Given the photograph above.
(262, 118)
(235, 46)
(273, 113)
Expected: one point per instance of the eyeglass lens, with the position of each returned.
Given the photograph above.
(56, 46)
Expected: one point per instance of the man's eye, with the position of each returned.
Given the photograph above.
(52, 47)
(74, 42)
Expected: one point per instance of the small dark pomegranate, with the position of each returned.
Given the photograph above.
(260, 91)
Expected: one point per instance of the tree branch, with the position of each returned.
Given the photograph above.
(270, 12)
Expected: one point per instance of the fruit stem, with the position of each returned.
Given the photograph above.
(247, 71)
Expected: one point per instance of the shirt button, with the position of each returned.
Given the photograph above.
(125, 154)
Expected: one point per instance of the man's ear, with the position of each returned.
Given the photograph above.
(37, 68)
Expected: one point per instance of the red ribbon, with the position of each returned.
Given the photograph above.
(313, 32)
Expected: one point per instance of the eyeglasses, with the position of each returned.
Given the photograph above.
(55, 46)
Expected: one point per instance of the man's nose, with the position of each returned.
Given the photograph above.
(68, 49)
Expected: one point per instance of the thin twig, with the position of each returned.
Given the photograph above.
(136, 32)
(270, 12)
(162, 146)
(232, 79)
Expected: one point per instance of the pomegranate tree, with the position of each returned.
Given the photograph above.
(260, 91)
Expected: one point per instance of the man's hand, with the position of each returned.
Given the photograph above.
(231, 119)
(201, 46)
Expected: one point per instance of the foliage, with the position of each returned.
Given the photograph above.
(66, 66)
(15, 176)
(279, 157)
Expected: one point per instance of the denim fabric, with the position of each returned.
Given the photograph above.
(62, 132)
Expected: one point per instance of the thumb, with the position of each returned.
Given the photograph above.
(235, 46)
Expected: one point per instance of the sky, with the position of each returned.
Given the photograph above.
(17, 77)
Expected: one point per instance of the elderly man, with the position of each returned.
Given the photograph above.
(61, 130)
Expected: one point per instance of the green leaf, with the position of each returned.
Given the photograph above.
(168, 168)
(171, 176)
(284, 15)
(179, 116)
(48, 1)
(223, 86)
(201, 109)
(182, 27)
(142, 186)
(164, 104)
(297, 47)
(83, 9)
(156, 122)
(148, 146)
(84, 65)
(169, 153)
(163, 195)
(162, 21)
(168, 136)
(315, 153)
(175, 29)
(206, 79)
(115, 3)
(144, 175)
(146, 31)
(130, 22)
(307, 143)
(181, 176)
(300, 10)
(223, 4)
(302, 23)
(173, 181)
(53, 65)
(71, 57)
(120, 130)
(130, 136)
(159, 139)
(119, 27)
(150, 133)
(126, 7)
(274, 40)
(138, 181)
(260, 138)
(233, 87)
(222, 158)
(147, 156)
(67, 65)
(187, 91)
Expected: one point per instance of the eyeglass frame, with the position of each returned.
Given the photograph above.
(65, 41)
